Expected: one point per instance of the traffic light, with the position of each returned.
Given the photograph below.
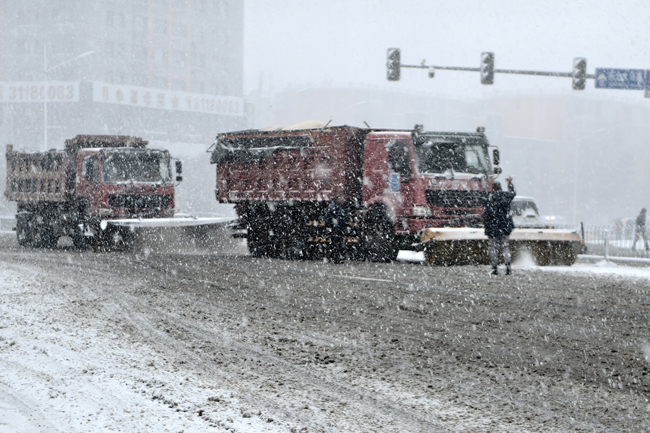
(487, 68)
(393, 64)
(579, 73)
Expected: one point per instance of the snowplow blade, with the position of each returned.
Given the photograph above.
(165, 222)
(461, 246)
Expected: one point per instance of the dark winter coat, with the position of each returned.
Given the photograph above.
(337, 217)
(640, 222)
(497, 217)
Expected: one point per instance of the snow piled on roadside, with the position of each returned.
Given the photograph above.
(602, 268)
(64, 374)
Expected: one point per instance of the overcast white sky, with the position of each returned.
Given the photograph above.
(294, 42)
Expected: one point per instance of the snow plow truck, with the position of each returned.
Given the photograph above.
(97, 190)
(95, 179)
(397, 185)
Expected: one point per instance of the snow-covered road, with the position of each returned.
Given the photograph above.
(209, 340)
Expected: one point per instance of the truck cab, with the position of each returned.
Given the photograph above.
(428, 179)
(125, 182)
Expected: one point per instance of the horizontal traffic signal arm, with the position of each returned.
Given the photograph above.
(498, 71)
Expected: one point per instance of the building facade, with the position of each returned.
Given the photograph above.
(166, 70)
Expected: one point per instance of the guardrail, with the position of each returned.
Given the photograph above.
(611, 241)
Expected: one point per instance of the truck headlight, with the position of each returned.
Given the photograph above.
(421, 211)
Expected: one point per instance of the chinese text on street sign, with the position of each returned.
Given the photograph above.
(633, 79)
(39, 91)
(167, 99)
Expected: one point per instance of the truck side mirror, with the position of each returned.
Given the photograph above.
(496, 157)
(179, 167)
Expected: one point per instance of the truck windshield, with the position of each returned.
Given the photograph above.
(136, 166)
(437, 155)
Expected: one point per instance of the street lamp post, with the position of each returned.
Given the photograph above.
(45, 71)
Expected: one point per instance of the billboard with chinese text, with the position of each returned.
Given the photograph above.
(167, 99)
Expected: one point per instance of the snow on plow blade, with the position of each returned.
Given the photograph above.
(165, 222)
(459, 246)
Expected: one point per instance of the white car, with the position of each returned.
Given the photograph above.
(524, 212)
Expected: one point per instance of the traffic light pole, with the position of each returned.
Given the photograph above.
(487, 69)
(498, 71)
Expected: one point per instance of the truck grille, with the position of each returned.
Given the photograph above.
(138, 201)
(456, 198)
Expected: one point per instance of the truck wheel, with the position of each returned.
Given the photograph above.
(24, 232)
(44, 236)
(79, 240)
(380, 237)
(257, 241)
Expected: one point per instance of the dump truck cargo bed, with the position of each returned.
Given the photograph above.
(36, 177)
(294, 165)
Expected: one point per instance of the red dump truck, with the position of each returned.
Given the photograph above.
(95, 179)
(397, 183)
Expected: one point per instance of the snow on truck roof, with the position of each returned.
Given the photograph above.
(99, 141)
(318, 125)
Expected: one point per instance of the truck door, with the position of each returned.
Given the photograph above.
(388, 171)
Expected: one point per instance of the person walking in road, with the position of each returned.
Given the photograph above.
(337, 220)
(499, 224)
(639, 230)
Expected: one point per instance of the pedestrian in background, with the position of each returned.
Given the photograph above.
(498, 224)
(639, 230)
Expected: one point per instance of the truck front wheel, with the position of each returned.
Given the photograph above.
(43, 235)
(380, 238)
(24, 231)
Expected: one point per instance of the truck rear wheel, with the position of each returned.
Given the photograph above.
(43, 236)
(258, 240)
(380, 238)
(79, 240)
